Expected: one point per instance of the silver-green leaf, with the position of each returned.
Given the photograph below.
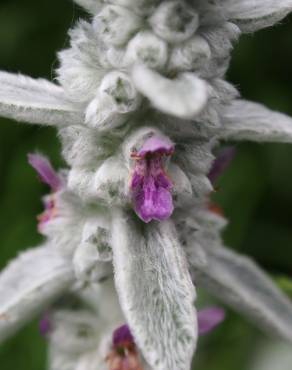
(155, 291)
(239, 282)
(35, 101)
(29, 283)
(244, 120)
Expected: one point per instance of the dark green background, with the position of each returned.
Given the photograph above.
(255, 192)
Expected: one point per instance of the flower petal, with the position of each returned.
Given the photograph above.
(45, 324)
(35, 101)
(45, 171)
(155, 291)
(153, 203)
(29, 284)
(156, 144)
(221, 162)
(244, 120)
(239, 282)
(209, 318)
(122, 334)
(252, 15)
(182, 97)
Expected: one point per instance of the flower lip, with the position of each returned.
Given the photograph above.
(209, 318)
(124, 354)
(156, 144)
(45, 171)
(122, 335)
(49, 176)
(221, 163)
(45, 324)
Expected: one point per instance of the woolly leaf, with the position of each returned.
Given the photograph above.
(239, 282)
(244, 120)
(155, 291)
(252, 15)
(35, 101)
(30, 283)
(182, 97)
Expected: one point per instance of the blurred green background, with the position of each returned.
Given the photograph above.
(255, 192)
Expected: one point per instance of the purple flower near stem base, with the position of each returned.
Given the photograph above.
(150, 186)
(49, 176)
(124, 354)
(209, 318)
(50, 212)
(122, 335)
(221, 162)
(45, 171)
(45, 324)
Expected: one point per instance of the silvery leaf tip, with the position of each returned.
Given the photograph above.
(139, 105)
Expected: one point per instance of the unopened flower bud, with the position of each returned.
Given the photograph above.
(124, 354)
(115, 25)
(147, 48)
(116, 96)
(191, 55)
(174, 21)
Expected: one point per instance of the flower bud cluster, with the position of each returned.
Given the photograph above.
(152, 67)
(142, 103)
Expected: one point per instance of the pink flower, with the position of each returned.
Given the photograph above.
(150, 186)
(124, 354)
(209, 318)
(50, 177)
(45, 324)
(221, 163)
(45, 171)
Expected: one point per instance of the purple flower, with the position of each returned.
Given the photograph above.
(122, 335)
(50, 177)
(124, 354)
(150, 186)
(221, 162)
(45, 171)
(50, 212)
(209, 318)
(45, 324)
